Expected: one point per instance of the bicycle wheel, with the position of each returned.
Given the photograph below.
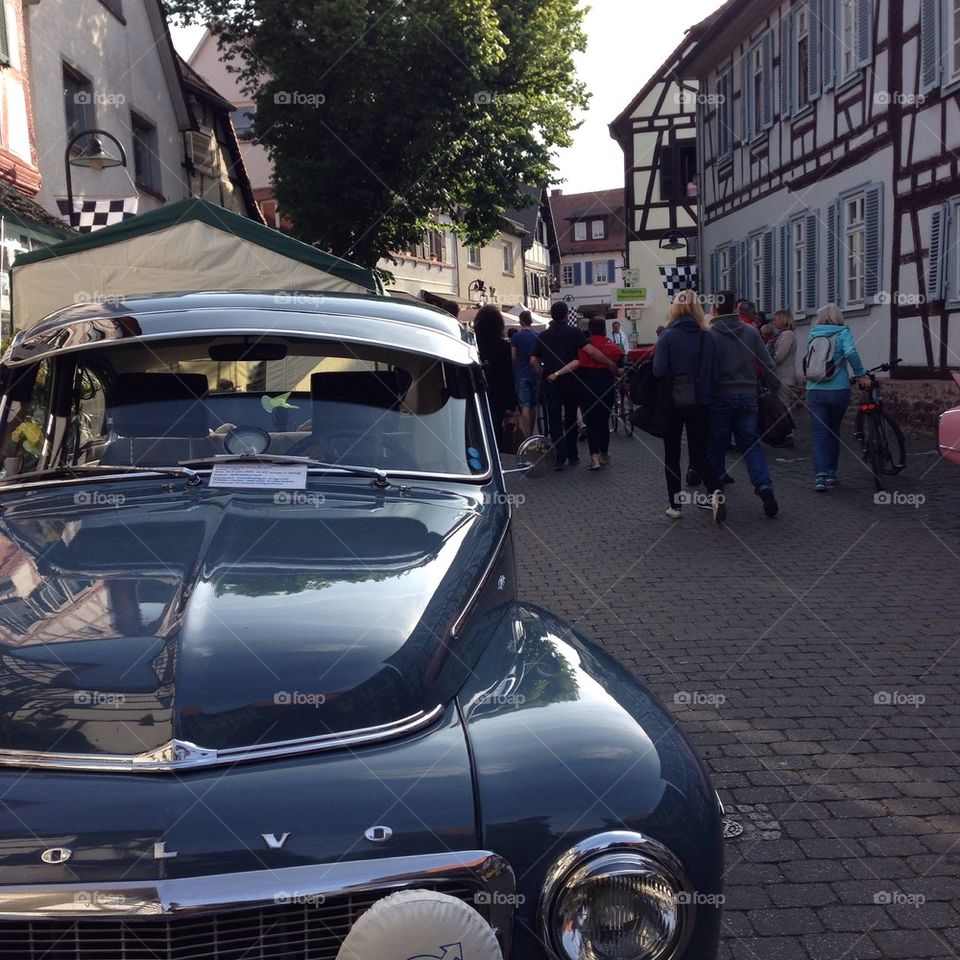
(627, 410)
(872, 442)
(615, 415)
(893, 449)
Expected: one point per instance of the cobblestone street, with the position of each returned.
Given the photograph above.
(812, 659)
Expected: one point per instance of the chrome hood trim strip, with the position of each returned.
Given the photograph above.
(179, 755)
(192, 896)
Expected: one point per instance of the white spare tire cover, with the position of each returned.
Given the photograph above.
(420, 925)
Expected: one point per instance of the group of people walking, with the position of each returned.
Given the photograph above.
(717, 369)
(576, 371)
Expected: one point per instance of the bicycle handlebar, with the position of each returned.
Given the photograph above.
(882, 367)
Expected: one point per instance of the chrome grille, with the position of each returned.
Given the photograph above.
(310, 931)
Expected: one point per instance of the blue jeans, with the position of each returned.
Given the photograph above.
(739, 415)
(827, 409)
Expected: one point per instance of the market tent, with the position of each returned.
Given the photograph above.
(539, 323)
(190, 245)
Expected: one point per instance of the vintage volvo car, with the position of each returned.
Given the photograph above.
(267, 687)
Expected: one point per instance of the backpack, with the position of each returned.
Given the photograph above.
(820, 363)
(640, 382)
(650, 396)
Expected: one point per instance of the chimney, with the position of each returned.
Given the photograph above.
(556, 192)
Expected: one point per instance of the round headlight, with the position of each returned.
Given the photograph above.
(616, 902)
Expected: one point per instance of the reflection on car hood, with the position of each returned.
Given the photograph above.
(229, 620)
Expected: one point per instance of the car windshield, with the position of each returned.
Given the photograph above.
(162, 403)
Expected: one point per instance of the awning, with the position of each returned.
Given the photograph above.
(190, 245)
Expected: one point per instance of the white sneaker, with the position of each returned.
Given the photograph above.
(674, 513)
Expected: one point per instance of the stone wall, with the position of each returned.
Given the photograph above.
(917, 404)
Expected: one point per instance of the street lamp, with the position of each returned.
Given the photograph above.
(93, 157)
(674, 242)
(479, 287)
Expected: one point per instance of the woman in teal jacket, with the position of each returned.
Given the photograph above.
(827, 400)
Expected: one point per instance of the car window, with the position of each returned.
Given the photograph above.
(27, 418)
(163, 402)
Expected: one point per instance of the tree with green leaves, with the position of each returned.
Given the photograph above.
(380, 114)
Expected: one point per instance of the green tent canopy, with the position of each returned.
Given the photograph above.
(190, 245)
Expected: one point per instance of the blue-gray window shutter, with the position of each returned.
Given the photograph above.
(833, 249)
(815, 52)
(767, 86)
(864, 32)
(714, 271)
(828, 41)
(930, 45)
(577, 276)
(611, 271)
(733, 268)
(589, 272)
(938, 249)
(745, 105)
(873, 255)
(784, 280)
(812, 278)
(743, 259)
(786, 65)
(725, 113)
(768, 273)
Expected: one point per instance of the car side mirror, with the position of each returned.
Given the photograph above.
(534, 457)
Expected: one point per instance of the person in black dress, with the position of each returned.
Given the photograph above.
(494, 350)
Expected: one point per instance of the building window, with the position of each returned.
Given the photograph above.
(115, 7)
(437, 244)
(725, 114)
(146, 160)
(473, 256)
(242, 119)
(853, 258)
(580, 230)
(756, 91)
(802, 50)
(799, 267)
(678, 172)
(598, 229)
(848, 37)
(600, 272)
(723, 269)
(5, 56)
(566, 275)
(78, 105)
(507, 257)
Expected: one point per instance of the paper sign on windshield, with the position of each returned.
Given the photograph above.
(260, 476)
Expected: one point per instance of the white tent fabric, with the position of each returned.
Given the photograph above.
(187, 256)
(539, 323)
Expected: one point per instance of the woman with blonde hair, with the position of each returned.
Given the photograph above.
(684, 354)
(830, 351)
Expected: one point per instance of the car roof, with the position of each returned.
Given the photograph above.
(357, 318)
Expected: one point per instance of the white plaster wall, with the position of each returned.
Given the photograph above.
(124, 66)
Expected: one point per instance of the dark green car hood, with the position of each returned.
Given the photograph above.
(132, 615)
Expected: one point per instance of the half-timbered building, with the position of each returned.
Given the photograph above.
(828, 132)
(657, 132)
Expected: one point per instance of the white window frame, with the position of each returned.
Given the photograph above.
(756, 269)
(598, 230)
(473, 257)
(566, 275)
(953, 40)
(508, 257)
(801, 83)
(600, 272)
(847, 38)
(580, 230)
(854, 256)
(798, 267)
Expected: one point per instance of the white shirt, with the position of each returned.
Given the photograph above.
(620, 339)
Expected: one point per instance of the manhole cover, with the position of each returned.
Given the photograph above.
(731, 828)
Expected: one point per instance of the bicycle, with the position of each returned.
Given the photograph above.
(622, 408)
(875, 429)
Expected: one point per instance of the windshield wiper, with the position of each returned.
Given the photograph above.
(379, 476)
(102, 469)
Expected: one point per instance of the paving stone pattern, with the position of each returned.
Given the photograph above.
(812, 659)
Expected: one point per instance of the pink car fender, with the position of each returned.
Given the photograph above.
(950, 432)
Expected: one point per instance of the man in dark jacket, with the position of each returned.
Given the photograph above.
(737, 353)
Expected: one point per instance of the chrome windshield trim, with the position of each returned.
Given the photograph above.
(193, 896)
(180, 755)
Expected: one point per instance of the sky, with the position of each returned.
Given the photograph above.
(627, 41)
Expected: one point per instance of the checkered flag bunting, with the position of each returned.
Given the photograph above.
(676, 279)
(90, 215)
